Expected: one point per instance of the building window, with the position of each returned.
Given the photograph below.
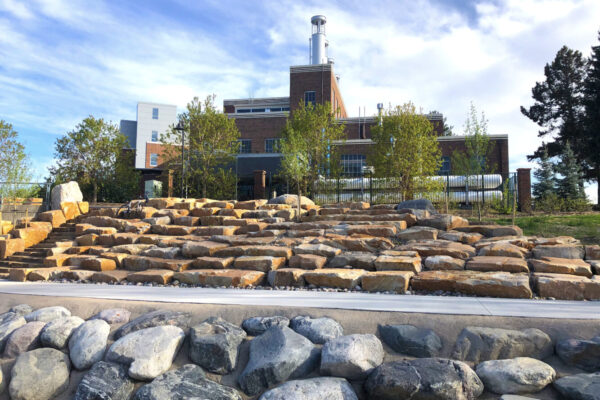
(155, 113)
(446, 166)
(309, 98)
(245, 146)
(352, 164)
(153, 159)
(155, 136)
(272, 145)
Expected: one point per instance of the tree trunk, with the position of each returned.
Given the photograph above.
(299, 201)
(95, 192)
(598, 183)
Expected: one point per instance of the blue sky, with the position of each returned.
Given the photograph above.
(62, 60)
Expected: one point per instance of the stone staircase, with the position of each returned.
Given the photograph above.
(33, 257)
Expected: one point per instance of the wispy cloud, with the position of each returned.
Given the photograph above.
(64, 59)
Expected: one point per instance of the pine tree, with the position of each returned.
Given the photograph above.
(592, 116)
(570, 185)
(546, 179)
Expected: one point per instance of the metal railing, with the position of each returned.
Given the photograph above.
(23, 199)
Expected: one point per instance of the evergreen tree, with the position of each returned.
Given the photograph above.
(546, 179)
(592, 119)
(570, 184)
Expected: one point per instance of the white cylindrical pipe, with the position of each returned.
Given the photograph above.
(318, 40)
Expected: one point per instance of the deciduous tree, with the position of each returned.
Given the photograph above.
(14, 162)
(405, 147)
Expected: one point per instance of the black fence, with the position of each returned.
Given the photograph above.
(498, 189)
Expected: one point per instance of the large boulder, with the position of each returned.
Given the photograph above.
(479, 344)
(105, 381)
(277, 355)
(312, 389)
(155, 318)
(258, 325)
(9, 322)
(579, 386)
(517, 375)
(214, 345)
(40, 374)
(418, 204)
(317, 330)
(424, 378)
(187, 382)
(23, 339)
(584, 354)
(88, 342)
(292, 200)
(148, 352)
(443, 222)
(352, 356)
(408, 339)
(56, 333)
(48, 314)
(114, 315)
(559, 251)
(66, 192)
(21, 309)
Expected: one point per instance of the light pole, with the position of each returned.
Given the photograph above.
(180, 128)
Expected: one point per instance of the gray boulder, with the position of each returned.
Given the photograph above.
(105, 381)
(23, 339)
(258, 325)
(479, 344)
(517, 375)
(317, 330)
(48, 314)
(584, 354)
(312, 389)
(114, 315)
(277, 355)
(187, 382)
(155, 318)
(162, 252)
(352, 356)
(65, 192)
(8, 323)
(408, 339)
(56, 333)
(424, 378)
(291, 199)
(579, 387)
(40, 374)
(88, 343)
(148, 352)
(21, 309)
(418, 204)
(214, 345)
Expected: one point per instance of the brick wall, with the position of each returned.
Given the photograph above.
(259, 129)
(155, 148)
(321, 82)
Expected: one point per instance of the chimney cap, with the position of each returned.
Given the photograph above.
(318, 18)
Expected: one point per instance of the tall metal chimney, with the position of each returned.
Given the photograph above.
(318, 40)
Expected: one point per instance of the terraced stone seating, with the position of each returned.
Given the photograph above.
(349, 246)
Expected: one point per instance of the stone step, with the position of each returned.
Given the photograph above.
(26, 258)
(17, 264)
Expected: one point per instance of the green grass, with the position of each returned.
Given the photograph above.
(585, 227)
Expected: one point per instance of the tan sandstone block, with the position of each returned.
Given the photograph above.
(141, 263)
(567, 287)
(398, 263)
(70, 209)
(213, 262)
(57, 260)
(307, 261)
(259, 263)
(250, 204)
(318, 249)
(494, 284)
(186, 221)
(114, 276)
(216, 230)
(116, 257)
(19, 274)
(382, 281)
(226, 277)
(335, 277)
(287, 277)
(30, 236)
(568, 266)
(503, 250)
(592, 252)
(219, 204)
(84, 207)
(272, 251)
(440, 248)
(89, 239)
(44, 274)
(230, 212)
(160, 276)
(99, 264)
(444, 263)
(500, 264)
(55, 217)
(202, 249)
(8, 247)
(373, 230)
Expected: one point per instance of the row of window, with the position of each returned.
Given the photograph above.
(261, 110)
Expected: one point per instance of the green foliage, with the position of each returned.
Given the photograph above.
(92, 154)
(310, 145)
(448, 129)
(553, 203)
(406, 147)
(474, 160)
(570, 185)
(546, 179)
(504, 204)
(211, 144)
(14, 164)
(591, 104)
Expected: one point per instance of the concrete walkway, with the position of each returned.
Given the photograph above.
(314, 299)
